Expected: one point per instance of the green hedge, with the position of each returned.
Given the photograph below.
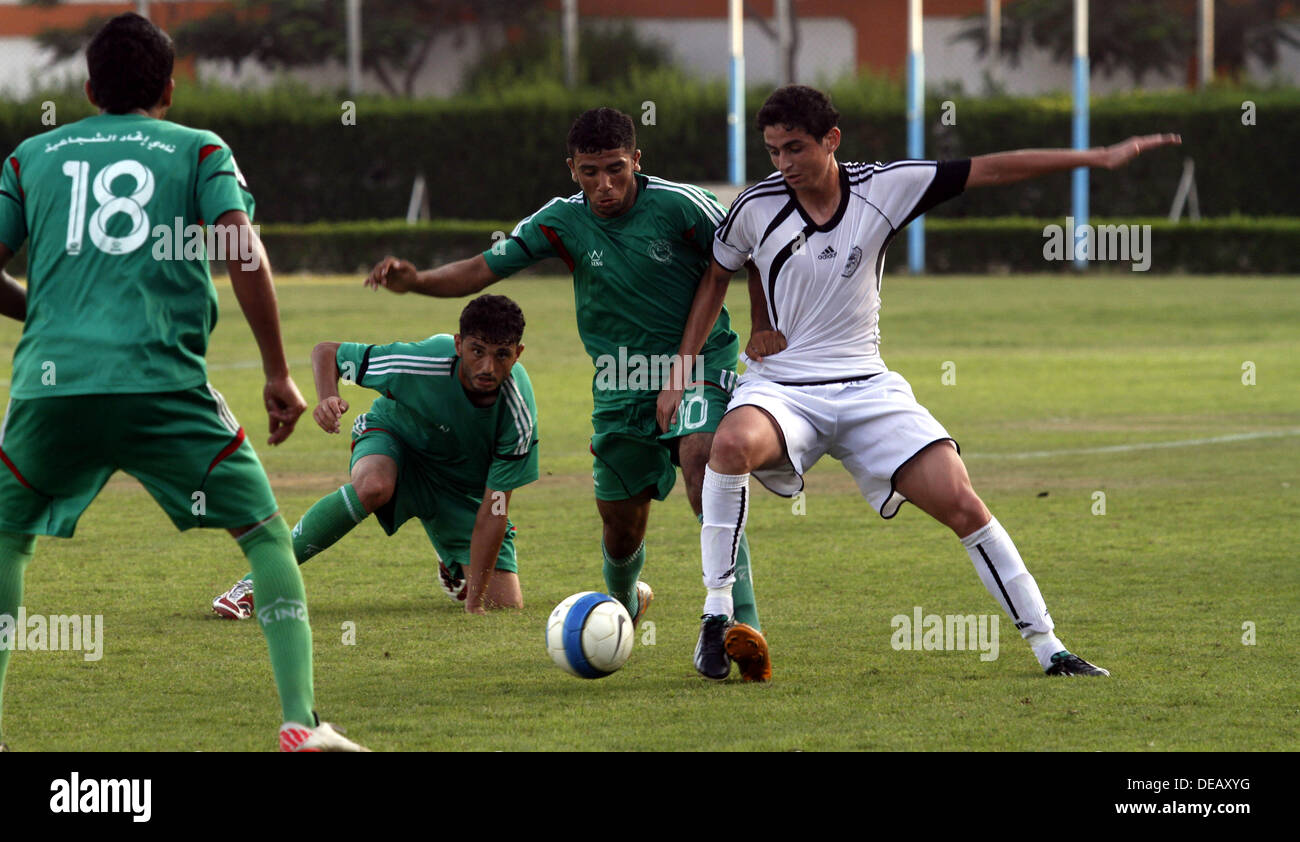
(1231, 245)
(502, 157)
(1228, 245)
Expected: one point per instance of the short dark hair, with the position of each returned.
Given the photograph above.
(130, 62)
(493, 318)
(799, 107)
(600, 129)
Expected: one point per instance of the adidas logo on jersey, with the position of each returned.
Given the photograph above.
(827, 254)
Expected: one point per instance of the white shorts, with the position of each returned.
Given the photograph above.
(872, 426)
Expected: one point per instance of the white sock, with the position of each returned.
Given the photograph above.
(1004, 575)
(1044, 646)
(719, 601)
(726, 506)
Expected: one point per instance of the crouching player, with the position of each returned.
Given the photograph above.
(453, 435)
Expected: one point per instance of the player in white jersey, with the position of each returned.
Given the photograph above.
(817, 230)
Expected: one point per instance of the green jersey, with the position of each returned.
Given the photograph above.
(119, 297)
(634, 275)
(468, 447)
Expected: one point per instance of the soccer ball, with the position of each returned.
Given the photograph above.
(589, 635)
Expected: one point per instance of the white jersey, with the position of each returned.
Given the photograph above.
(822, 282)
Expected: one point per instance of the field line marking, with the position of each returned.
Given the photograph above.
(1128, 448)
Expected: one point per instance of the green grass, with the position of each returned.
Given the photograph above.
(1194, 542)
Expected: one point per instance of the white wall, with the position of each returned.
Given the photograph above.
(948, 62)
(827, 50)
(827, 47)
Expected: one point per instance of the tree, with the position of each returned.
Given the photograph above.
(1154, 36)
(610, 56)
(398, 35)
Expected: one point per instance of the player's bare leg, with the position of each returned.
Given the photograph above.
(936, 481)
(623, 545)
(746, 439)
(503, 591)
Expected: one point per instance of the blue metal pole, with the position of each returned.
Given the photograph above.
(1079, 185)
(736, 105)
(915, 127)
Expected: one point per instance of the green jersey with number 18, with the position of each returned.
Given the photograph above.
(119, 296)
(634, 276)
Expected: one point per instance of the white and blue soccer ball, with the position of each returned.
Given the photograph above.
(589, 635)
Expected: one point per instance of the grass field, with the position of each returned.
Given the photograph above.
(1063, 388)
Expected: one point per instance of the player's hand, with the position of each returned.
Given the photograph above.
(666, 409)
(394, 274)
(474, 602)
(764, 343)
(1119, 154)
(284, 406)
(328, 412)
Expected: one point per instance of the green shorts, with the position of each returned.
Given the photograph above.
(185, 448)
(448, 515)
(631, 454)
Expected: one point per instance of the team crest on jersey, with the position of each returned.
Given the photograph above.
(661, 251)
(596, 258)
(851, 265)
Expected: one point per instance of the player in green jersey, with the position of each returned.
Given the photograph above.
(637, 246)
(453, 435)
(109, 373)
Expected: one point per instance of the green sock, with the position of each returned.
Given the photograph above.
(621, 575)
(15, 552)
(744, 608)
(282, 612)
(328, 520)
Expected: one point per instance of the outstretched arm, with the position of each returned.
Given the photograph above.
(1021, 164)
(452, 280)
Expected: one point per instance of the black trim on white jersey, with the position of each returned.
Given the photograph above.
(831, 223)
(780, 217)
(857, 378)
(764, 188)
(784, 255)
(949, 181)
(731, 214)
